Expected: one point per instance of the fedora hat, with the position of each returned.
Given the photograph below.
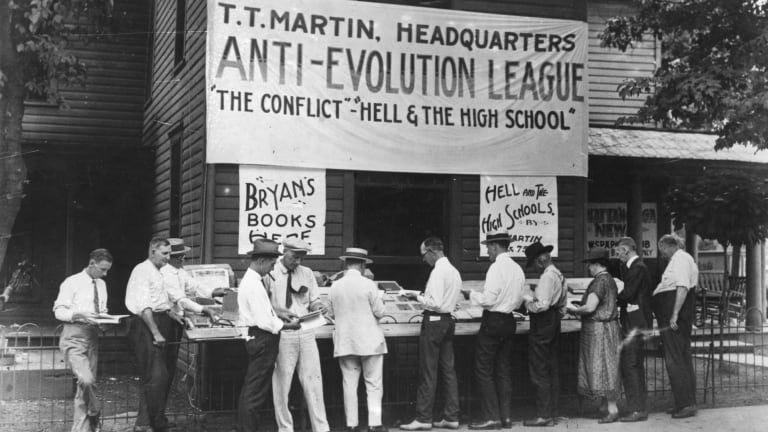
(595, 254)
(353, 253)
(296, 244)
(178, 247)
(496, 236)
(264, 248)
(534, 250)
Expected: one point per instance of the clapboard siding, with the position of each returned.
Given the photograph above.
(108, 109)
(608, 68)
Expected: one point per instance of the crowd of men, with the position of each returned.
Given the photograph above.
(277, 289)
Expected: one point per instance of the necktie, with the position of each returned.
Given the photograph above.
(95, 297)
(288, 295)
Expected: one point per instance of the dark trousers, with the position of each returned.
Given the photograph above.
(262, 354)
(676, 346)
(157, 367)
(436, 350)
(543, 362)
(632, 366)
(493, 365)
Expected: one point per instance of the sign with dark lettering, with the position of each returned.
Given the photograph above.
(276, 203)
(339, 84)
(607, 223)
(525, 207)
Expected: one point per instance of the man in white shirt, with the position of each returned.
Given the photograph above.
(180, 286)
(545, 306)
(154, 336)
(501, 295)
(82, 297)
(293, 288)
(261, 327)
(436, 339)
(673, 305)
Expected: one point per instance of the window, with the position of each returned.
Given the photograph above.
(393, 214)
(180, 40)
(175, 137)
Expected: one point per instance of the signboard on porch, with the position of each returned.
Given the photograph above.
(338, 84)
(607, 223)
(277, 202)
(525, 207)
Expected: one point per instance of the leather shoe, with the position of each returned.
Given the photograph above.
(416, 425)
(446, 424)
(610, 418)
(506, 423)
(635, 416)
(488, 424)
(685, 412)
(379, 428)
(540, 421)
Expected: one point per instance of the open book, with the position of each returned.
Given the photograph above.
(312, 320)
(109, 319)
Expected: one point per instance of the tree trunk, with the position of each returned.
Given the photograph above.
(13, 171)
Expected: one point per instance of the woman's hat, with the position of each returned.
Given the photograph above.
(496, 236)
(264, 248)
(178, 247)
(534, 250)
(353, 253)
(596, 254)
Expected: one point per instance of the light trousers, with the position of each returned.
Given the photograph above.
(372, 368)
(298, 350)
(80, 345)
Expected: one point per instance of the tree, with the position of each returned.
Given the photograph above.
(34, 61)
(712, 74)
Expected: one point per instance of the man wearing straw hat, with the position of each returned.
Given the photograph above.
(294, 290)
(180, 285)
(82, 297)
(545, 309)
(358, 341)
(501, 295)
(261, 329)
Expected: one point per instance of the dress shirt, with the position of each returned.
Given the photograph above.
(443, 288)
(356, 304)
(681, 271)
(503, 290)
(254, 307)
(145, 290)
(551, 291)
(301, 276)
(76, 295)
(179, 286)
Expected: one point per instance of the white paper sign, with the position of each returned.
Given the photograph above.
(525, 207)
(364, 86)
(276, 203)
(607, 223)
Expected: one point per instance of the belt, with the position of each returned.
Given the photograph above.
(431, 313)
(255, 331)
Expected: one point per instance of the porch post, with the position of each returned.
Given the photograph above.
(635, 212)
(754, 312)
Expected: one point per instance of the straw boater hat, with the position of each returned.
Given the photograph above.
(496, 236)
(353, 253)
(178, 247)
(534, 250)
(264, 248)
(596, 254)
(296, 245)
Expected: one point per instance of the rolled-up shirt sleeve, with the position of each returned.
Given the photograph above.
(543, 293)
(137, 296)
(494, 281)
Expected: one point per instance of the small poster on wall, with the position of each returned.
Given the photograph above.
(607, 223)
(525, 207)
(277, 202)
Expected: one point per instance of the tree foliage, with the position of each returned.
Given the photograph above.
(729, 206)
(712, 74)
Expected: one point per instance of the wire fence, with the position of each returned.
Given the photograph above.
(37, 387)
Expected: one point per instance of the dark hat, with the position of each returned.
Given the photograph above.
(496, 236)
(534, 250)
(264, 248)
(353, 253)
(178, 247)
(596, 254)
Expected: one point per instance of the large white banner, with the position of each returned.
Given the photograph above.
(525, 207)
(365, 86)
(276, 203)
(607, 223)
